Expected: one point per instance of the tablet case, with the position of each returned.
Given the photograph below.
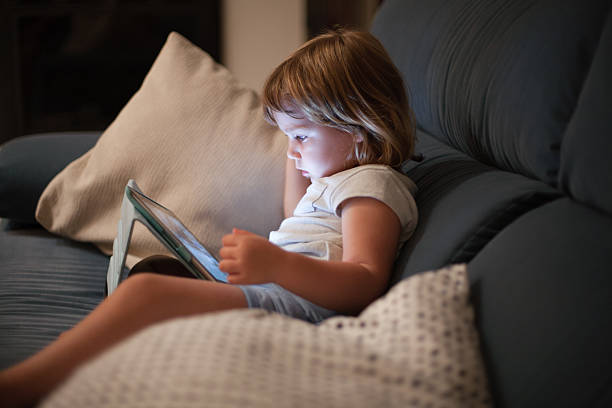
(129, 215)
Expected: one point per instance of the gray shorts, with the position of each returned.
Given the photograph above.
(272, 297)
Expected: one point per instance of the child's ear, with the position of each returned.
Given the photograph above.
(358, 137)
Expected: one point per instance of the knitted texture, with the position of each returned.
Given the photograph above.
(195, 140)
(417, 346)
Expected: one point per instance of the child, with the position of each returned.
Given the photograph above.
(341, 102)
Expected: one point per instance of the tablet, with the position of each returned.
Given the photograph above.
(175, 235)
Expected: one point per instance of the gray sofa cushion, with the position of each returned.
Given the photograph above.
(541, 291)
(47, 285)
(586, 166)
(462, 205)
(497, 79)
(27, 165)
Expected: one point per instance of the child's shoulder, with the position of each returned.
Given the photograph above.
(371, 173)
(367, 169)
(366, 180)
(380, 182)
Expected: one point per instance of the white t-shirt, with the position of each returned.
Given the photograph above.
(315, 229)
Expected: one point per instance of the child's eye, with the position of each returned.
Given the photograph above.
(300, 138)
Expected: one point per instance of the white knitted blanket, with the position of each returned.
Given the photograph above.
(417, 346)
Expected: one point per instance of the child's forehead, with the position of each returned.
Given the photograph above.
(291, 108)
(291, 120)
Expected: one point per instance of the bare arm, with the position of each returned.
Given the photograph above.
(370, 236)
(370, 231)
(295, 187)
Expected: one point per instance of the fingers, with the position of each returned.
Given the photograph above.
(235, 279)
(236, 254)
(227, 253)
(231, 242)
(232, 239)
(229, 266)
(232, 269)
(228, 240)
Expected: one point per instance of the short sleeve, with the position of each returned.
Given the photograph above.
(384, 184)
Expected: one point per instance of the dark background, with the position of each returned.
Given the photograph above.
(73, 64)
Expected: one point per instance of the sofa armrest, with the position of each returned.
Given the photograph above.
(27, 165)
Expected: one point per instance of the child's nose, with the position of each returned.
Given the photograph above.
(292, 151)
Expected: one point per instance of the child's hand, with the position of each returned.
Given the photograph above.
(248, 258)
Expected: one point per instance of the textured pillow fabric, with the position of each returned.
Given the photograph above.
(193, 139)
(417, 346)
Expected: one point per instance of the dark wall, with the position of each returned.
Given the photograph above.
(73, 64)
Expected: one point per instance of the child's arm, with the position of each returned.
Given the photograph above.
(295, 187)
(370, 236)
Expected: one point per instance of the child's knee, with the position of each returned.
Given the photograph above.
(142, 286)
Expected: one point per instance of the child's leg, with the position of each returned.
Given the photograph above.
(138, 302)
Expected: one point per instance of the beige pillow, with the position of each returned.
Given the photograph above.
(417, 346)
(195, 140)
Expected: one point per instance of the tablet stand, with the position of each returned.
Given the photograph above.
(122, 241)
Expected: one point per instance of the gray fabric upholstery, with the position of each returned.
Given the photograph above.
(47, 284)
(542, 297)
(513, 100)
(462, 205)
(27, 165)
(496, 79)
(586, 166)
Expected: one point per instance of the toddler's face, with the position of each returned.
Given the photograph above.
(318, 151)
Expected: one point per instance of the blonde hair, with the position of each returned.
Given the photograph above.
(346, 80)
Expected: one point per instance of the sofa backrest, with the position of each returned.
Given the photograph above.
(586, 164)
(512, 103)
(496, 79)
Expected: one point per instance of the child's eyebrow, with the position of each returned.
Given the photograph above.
(297, 128)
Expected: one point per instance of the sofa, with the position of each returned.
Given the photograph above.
(512, 101)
